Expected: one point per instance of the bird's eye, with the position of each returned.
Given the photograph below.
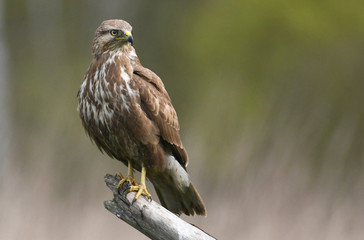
(113, 32)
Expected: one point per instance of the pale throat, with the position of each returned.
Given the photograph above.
(125, 50)
(129, 52)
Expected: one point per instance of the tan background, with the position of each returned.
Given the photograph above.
(269, 96)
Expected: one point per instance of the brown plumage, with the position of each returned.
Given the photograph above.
(127, 112)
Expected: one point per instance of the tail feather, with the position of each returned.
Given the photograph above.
(179, 200)
(175, 190)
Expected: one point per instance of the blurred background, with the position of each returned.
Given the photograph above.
(270, 101)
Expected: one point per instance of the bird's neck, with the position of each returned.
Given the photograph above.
(126, 50)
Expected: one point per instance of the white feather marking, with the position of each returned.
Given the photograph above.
(110, 60)
(97, 93)
(108, 112)
(102, 93)
(124, 102)
(96, 76)
(132, 93)
(88, 111)
(91, 86)
(178, 173)
(106, 90)
(102, 72)
(132, 53)
(83, 86)
(115, 85)
(93, 109)
(101, 116)
(124, 75)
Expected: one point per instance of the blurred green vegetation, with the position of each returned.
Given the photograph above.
(267, 91)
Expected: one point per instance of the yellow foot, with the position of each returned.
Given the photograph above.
(130, 179)
(141, 190)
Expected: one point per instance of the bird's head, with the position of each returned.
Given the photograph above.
(111, 35)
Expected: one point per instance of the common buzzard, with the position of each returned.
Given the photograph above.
(127, 112)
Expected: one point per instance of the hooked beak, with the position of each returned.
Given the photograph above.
(129, 37)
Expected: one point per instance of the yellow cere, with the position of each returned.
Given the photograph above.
(127, 33)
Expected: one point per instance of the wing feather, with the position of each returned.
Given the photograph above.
(156, 103)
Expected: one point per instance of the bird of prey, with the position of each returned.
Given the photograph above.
(126, 110)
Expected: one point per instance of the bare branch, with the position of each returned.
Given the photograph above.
(149, 217)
